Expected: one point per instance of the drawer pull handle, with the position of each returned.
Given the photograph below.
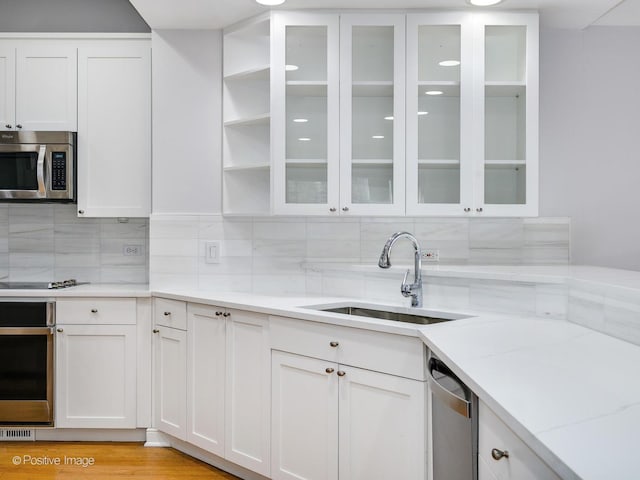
(166, 314)
(341, 373)
(499, 454)
(155, 330)
(226, 314)
(329, 370)
(218, 314)
(59, 330)
(94, 310)
(334, 344)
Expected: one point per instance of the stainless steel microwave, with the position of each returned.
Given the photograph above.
(38, 166)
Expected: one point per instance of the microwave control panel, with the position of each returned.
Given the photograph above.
(58, 170)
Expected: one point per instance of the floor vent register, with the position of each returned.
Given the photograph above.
(17, 435)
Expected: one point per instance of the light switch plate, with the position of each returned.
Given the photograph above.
(212, 251)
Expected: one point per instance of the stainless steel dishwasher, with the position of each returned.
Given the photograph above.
(454, 424)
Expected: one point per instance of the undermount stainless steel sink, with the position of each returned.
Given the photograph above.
(396, 314)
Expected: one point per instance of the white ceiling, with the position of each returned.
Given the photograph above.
(211, 14)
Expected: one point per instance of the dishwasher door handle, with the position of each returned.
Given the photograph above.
(458, 404)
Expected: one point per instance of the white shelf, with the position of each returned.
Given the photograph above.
(439, 162)
(241, 168)
(438, 83)
(306, 162)
(307, 89)
(373, 161)
(262, 119)
(505, 89)
(261, 72)
(504, 163)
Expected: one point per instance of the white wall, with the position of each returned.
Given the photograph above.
(590, 140)
(187, 106)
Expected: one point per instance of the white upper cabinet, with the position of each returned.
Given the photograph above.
(305, 113)
(372, 114)
(38, 87)
(114, 131)
(506, 104)
(432, 113)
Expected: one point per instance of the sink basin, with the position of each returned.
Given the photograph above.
(396, 314)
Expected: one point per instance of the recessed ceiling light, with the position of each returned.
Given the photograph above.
(390, 117)
(291, 68)
(423, 113)
(484, 3)
(301, 120)
(304, 139)
(377, 137)
(270, 2)
(449, 63)
(434, 92)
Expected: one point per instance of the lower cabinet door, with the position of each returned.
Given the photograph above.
(95, 376)
(248, 391)
(171, 381)
(382, 431)
(304, 418)
(206, 348)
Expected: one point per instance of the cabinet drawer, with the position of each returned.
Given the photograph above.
(96, 311)
(521, 464)
(170, 313)
(381, 352)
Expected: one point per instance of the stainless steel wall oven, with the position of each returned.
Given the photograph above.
(26, 362)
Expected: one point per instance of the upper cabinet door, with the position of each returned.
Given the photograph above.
(46, 88)
(372, 114)
(440, 122)
(305, 113)
(506, 64)
(114, 131)
(7, 88)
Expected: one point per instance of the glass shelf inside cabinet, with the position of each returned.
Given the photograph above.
(438, 99)
(505, 115)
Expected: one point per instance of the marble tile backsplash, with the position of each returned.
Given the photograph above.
(267, 254)
(46, 242)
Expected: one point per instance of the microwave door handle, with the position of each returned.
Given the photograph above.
(42, 190)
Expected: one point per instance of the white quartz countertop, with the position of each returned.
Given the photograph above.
(89, 290)
(569, 392)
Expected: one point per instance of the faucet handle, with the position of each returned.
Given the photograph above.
(405, 288)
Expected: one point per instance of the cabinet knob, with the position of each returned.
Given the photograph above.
(80, 212)
(94, 310)
(218, 314)
(332, 209)
(329, 370)
(345, 209)
(499, 454)
(59, 330)
(479, 209)
(226, 314)
(8, 126)
(166, 314)
(155, 330)
(341, 373)
(334, 344)
(18, 126)
(467, 209)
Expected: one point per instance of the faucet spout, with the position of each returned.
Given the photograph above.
(413, 290)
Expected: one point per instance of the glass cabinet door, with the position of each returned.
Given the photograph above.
(372, 61)
(510, 150)
(305, 114)
(439, 114)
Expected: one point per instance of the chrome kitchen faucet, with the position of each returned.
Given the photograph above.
(413, 290)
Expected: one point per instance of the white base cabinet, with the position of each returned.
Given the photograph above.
(95, 364)
(333, 420)
(520, 464)
(212, 377)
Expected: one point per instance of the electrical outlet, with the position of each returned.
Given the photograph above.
(132, 250)
(430, 255)
(212, 251)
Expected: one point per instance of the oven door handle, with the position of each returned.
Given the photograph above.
(42, 189)
(26, 331)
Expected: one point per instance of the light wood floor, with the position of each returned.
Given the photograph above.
(112, 461)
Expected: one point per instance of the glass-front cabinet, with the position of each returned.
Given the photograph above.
(507, 53)
(372, 114)
(305, 113)
(439, 114)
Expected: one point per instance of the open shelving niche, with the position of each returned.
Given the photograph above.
(246, 166)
